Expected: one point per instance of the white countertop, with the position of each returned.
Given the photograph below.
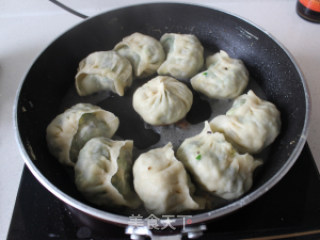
(27, 27)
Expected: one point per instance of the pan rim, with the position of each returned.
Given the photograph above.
(197, 218)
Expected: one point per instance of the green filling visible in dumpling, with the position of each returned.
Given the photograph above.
(103, 173)
(90, 126)
(167, 44)
(101, 163)
(122, 179)
(93, 82)
(133, 57)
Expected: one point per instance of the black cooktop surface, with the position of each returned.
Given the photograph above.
(289, 210)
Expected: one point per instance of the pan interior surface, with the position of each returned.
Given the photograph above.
(48, 89)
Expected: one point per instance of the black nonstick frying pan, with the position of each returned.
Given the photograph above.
(48, 89)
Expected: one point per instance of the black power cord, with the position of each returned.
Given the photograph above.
(68, 9)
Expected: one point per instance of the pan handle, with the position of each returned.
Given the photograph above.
(139, 233)
(68, 9)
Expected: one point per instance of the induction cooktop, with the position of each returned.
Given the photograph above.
(290, 210)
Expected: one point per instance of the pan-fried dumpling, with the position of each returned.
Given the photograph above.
(251, 124)
(105, 70)
(162, 100)
(144, 52)
(103, 173)
(184, 55)
(162, 183)
(225, 77)
(69, 131)
(215, 164)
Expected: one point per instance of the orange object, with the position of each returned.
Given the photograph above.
(309, 9)
(313, 5)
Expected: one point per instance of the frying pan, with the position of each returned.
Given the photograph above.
(48, 88)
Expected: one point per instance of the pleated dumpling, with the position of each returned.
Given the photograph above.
(162, 100)
(68, 132)
(251, 124)
(184, 55)
(162, 183)
(144, 52)
(224, 78)
(103, 173)
(215, 165)
(104, 70)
